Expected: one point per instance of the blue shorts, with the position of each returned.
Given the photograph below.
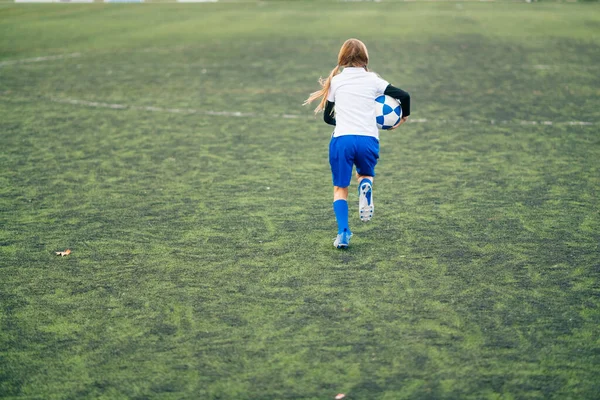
(349, 150)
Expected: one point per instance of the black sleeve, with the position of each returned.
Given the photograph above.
(400, 95)
(328, 113)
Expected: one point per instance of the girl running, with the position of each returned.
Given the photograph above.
(351, 90)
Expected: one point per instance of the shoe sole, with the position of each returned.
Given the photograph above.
(365, 210)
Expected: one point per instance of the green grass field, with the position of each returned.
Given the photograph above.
(202, 264)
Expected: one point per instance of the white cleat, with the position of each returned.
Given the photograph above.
(365, 202)
(342, 241)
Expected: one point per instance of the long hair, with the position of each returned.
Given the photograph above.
(352, 54)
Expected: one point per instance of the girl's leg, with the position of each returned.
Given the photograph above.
(365, 199)
(340, 193)
(340, 208)
(359, 178)
(341, 160)
(366, 161)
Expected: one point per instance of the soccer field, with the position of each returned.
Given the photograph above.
(167, 147)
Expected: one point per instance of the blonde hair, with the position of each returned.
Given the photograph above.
(352, 54)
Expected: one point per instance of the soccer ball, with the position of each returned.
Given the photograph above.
(388, 111)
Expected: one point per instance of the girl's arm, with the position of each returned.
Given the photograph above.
(328, 113)
(402, 96)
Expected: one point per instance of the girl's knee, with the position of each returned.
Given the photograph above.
(340, 193)
(359, 178)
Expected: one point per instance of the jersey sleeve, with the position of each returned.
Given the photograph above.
(380, 84)
(328, 115)
(401, 96)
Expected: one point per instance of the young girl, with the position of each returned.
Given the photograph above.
(351, 89)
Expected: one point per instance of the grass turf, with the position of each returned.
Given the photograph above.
(202, 262)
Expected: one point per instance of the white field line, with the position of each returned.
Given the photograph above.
(167, 49)
(455, 1)
(430, 1)
(97, 104)
(261, 65)
(39, 59)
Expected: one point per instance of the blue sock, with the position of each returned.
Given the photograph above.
(340, 208)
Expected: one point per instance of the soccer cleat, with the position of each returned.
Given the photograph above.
(365, 202)
(342, 240)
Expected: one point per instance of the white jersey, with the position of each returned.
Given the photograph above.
(354, 92)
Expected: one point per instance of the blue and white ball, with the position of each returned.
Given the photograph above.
(388, 111)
